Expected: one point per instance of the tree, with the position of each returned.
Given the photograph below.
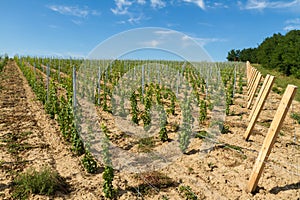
(280, 52)
(233, 55)
(248, 55)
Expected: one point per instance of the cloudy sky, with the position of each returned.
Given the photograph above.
(72, 28)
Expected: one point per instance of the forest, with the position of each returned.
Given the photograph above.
(280, 52)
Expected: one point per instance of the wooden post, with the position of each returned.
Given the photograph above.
(253, 85)
(260, 103)
(252, 93)
(249, 72)
(252, 72)
(269, 141)
(248, 67)
(252, 82)
(263, 87)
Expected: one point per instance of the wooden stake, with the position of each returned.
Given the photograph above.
(269, 141)
(248, 67)
(260, 103)
(250, 74)
(263, 87)
(251, 71)
(252, 82)
(252, 93)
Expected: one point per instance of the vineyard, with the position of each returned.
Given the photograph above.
(135, 129)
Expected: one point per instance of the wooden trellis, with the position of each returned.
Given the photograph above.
(270, 139)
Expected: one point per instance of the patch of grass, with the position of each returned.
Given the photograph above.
(230, 146)
(145, 144)
(44, 182)
(281, 80)
(151, 180)
(202, 135)
(296, 116)
(277, 90)
(14, 148)
(225, 129)
(14, 144)
(265, 123)
(164, 197)
(187, 193)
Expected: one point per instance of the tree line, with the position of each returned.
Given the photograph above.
(280, 52)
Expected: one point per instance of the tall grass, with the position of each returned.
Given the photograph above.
(281, 80)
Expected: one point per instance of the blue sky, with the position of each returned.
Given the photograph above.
(75, 27)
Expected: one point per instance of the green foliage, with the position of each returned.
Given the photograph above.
(233, 55)
(277, 90)
(225, 129)
(187, 193)
(61, 107)
(52, 105)
(163, 135)
(44, 182)
(296, 116)
(171, 110)
(203, 111)
(248, 55)
(151, 180)
(147, 114)
(202, 135)
(280, 52)
(3, 62)
(185, 134)
(134, 108)
(146, 144)
(89, 163)
(108, 176)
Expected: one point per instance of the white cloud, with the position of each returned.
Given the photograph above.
(135, 20)
(201, 41)
(77, 22)
(158, 4)
(219, 5)
(141, 2)
(152, 43)
(73, 10)
(293, 21)
(121, 7)
(292, 24)
(164, 33)
(254, 4)
(199, 3)
(263, 4)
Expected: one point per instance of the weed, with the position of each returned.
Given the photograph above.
(202, 135)
(44, 182)
(164, 197)
(277, 90)
(230, 146)
(296, 116)
(225, 129)
(187, 192)
(150, 180)
(146, 144)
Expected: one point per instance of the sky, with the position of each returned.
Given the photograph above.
(73, 28)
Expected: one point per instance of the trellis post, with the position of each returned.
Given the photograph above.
(270, 139)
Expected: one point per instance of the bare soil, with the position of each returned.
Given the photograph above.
(222, 173)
